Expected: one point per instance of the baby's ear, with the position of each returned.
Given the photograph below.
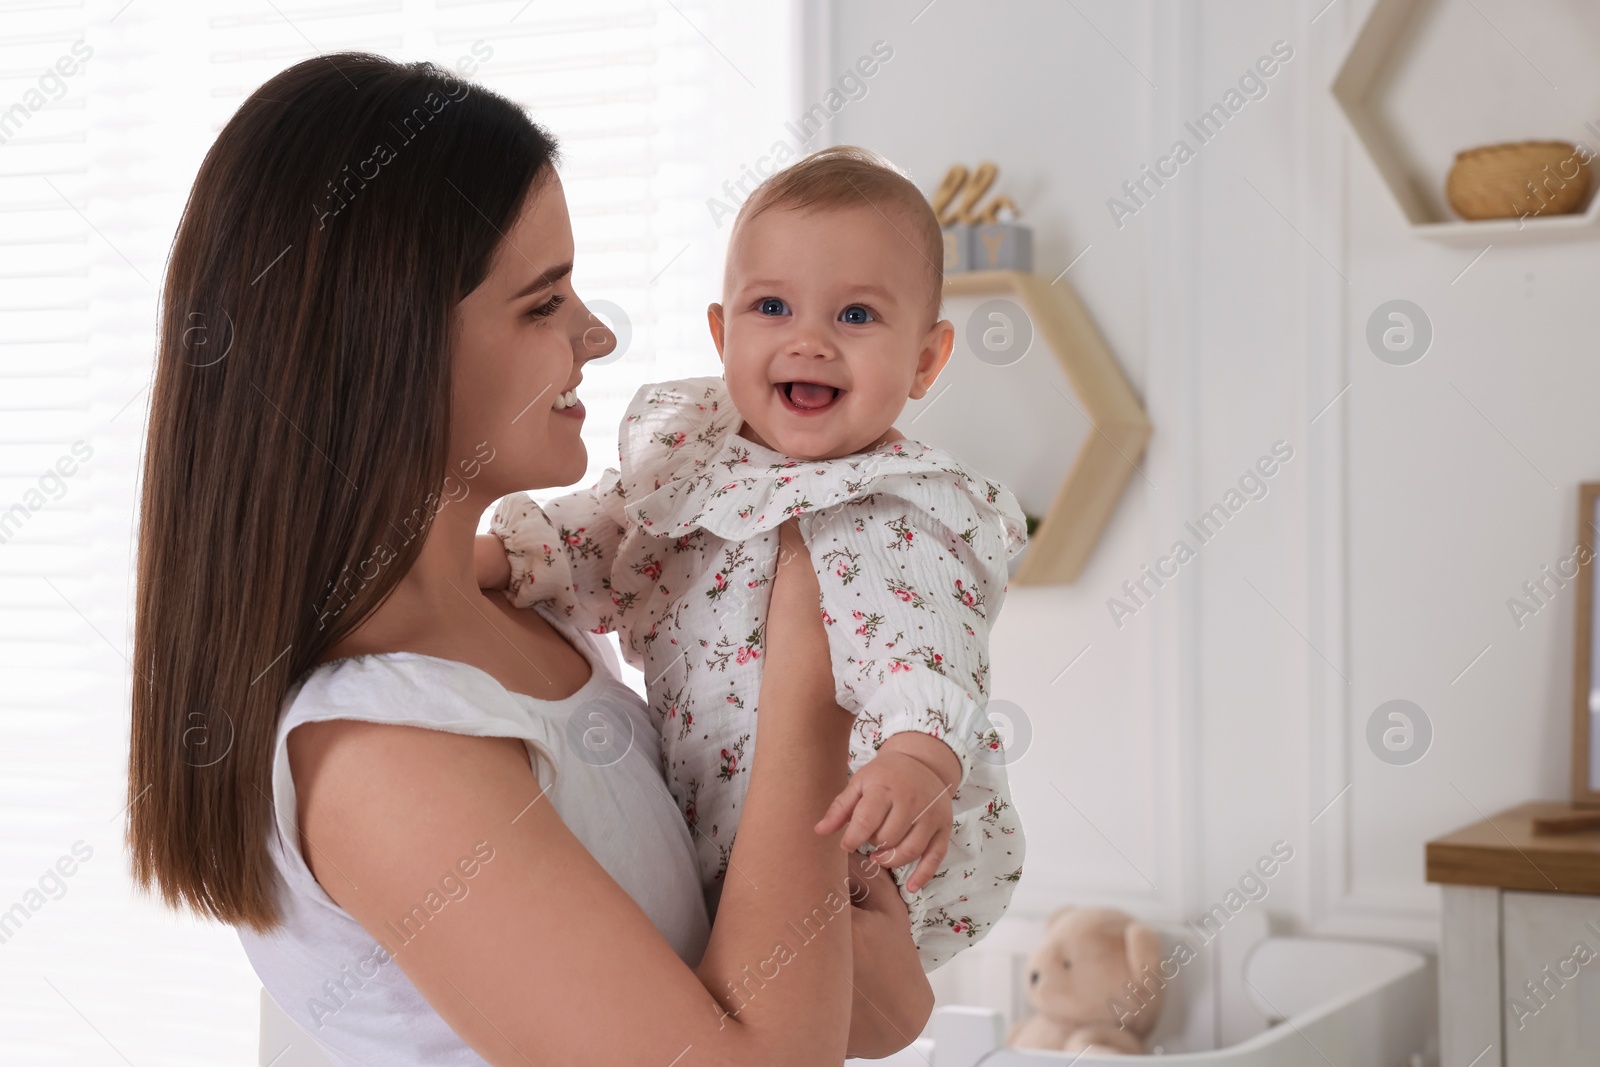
(936, 346)
(714, 320)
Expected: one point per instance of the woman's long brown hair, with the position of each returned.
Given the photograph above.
(298, 428)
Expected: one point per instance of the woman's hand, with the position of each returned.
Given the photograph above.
(893, 999)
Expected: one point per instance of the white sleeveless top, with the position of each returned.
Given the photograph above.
(597, 752)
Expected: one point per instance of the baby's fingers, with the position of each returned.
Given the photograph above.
(839, 811)
(871, 811)
(903, 850)
(932, 859)
(930, 855)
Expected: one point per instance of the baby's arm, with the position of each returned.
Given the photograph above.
(909, 589)
(562, 552)
(911, 582)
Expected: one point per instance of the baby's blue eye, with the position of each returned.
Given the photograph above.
(773, 306)
(856, 315)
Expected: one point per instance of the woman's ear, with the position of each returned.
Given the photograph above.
(936, 346)
(714, 320)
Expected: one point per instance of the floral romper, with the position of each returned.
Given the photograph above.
(675, 552)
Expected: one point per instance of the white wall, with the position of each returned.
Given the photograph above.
(1230, 711)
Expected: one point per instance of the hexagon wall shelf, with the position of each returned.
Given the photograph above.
(1425, 79)
(1059, 425)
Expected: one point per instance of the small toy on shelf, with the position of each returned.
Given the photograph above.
(987, 238)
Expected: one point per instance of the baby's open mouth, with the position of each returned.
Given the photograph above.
(808, 396)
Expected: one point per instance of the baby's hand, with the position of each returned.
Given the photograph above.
(489, 562)
(901, 805)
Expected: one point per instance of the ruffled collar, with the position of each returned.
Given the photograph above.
(685, 467)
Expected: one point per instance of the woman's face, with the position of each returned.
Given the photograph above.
(522, 338)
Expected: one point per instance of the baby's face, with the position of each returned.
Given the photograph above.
(825, 329)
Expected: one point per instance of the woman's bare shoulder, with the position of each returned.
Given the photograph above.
(325, 754)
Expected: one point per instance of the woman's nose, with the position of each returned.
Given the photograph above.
(597, 339)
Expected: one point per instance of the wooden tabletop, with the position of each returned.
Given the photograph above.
(1504, 851)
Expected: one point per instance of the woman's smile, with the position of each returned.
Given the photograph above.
(569, 405)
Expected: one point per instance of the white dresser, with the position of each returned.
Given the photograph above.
(1519, 952)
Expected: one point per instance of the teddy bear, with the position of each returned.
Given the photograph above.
(1078, 984)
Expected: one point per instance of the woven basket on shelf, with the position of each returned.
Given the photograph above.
(1502, 181)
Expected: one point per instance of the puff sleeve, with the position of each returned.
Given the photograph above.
(911, 579)
(563, 552)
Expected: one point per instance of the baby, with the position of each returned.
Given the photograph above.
(828, 325)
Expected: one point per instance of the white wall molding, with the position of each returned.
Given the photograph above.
(813, 32)
(1172, 396)
(1334, 717)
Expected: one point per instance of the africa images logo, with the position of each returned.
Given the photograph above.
(1206, 126)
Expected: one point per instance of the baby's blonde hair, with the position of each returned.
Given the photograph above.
(846, 176)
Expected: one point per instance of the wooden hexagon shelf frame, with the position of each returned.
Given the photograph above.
(1370, 54)
(1069, 531)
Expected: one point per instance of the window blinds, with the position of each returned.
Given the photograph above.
(106, 110)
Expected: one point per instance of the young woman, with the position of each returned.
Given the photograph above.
(377, 772)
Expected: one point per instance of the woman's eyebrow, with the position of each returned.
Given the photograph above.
(545, 280)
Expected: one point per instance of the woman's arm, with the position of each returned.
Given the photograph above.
(796, 760)
(893, 999)
(547, 959)
(889, 993)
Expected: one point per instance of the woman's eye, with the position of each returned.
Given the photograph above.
(772, 306)
(856, 315)
(548, 308)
